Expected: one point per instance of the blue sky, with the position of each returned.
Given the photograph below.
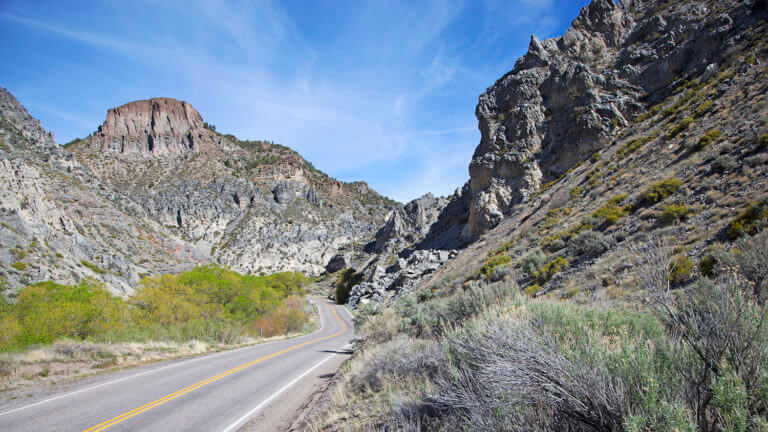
(380, 91)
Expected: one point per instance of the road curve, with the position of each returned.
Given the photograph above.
(216, 392)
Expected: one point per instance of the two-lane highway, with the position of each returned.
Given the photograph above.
(216, 392)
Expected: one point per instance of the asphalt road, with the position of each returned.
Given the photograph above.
(217, 392)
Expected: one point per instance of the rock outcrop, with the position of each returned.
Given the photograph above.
(152, 127)
(565, 99)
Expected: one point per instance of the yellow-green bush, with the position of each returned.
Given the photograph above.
(680, 269)
(96, 269)
(493, 263)
(708, 138)
(634, 145)
(550, 269)
(532, 289)
(702, 109)
(674, 213)
(680, 127)
(763, 140)
(20, 266)
(612, 211)
(662, 189)
(749, 221)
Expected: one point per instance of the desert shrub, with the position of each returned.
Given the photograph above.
(708, 138)
(680, 127)
(719, 328)
(763, 140)
(660, 190)
(348, 279)
(532, 263)
(554, 244)
(756, 160)
(702, 109)
(401, 358)
(749, 221)
(287, 317)
(707, 265)
(425, 314)
(680, 269)
(550, 269)
(595, 157)
(532, 289)
(634, 145)
(674, 213)
(492, 263)
(610, 212)
(751, 257)
(576, 191)
(723, 163)
(590, 243)
(500, 273)
(96, 269)
(20, 266)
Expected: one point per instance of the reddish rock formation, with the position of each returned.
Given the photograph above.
(151, 127)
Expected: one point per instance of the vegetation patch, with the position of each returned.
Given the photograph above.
(674, 213)
(660, 190)
(708, 138)
(634, 145)
(348, 279)
(20, 266)
(94, 268)
(679, 128)
(610, 212)
(208, 303)
(749, 221)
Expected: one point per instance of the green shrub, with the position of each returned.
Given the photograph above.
(702, 109)
(493, 263)
(763, 140)
(589, 243)
(634, 145)
(20, 266)
(550, 269)
(749, 221)
(595, 157)
(680, 269)
(674, 213)
(680, 127)
(348, 279)
(724, 163)
(94, 268)
(532, 263)
(610, 212)
(707, 265)
(532, 289)
(708, 138)
(576, 191)
(662, 189)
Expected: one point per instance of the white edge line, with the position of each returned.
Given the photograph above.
(266, 401)
(159, 369)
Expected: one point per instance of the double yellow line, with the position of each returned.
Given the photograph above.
(136, 411)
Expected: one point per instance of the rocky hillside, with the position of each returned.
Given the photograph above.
(253, 205)
(156, 189)
(59, 222)
(645, 119)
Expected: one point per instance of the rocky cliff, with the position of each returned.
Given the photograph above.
(570, 96)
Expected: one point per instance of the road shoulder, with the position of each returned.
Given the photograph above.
(292, 410)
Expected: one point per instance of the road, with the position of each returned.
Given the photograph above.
(216, 392)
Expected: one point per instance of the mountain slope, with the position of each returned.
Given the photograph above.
(156, 189)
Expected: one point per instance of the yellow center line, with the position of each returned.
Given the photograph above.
(113, 421)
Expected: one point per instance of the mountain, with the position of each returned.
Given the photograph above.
(607, 252)
(156, 189)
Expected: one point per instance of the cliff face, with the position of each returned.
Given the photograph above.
(152, 127)
(569, 96)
